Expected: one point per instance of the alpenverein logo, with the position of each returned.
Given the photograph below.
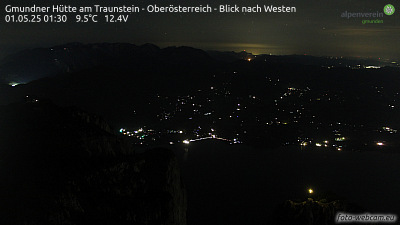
(388, 9)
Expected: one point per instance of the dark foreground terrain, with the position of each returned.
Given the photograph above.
(64, 166)
(238, 184)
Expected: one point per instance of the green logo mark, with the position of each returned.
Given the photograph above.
(388, 9)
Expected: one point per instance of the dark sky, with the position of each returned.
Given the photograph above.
(315, 29)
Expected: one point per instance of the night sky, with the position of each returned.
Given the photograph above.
(315, 29)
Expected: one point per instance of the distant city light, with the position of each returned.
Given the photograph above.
(13, 84)
(318, 144)
(186, 142)
(310, 191)
(390, 130)
(372, 67)
(304, 143)
(380, 144)
(340, 139)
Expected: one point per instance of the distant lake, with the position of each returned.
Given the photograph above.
(237, 184)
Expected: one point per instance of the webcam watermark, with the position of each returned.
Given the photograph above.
(342, 217)
(371, 17)
(389, 9)
(371, 21)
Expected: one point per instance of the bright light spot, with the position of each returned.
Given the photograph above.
(340, 139)
(249, 59)
(186, 142)
(310, 191)
(372, 67)
(180, 132)
(13, 84)
(318, 144)
(326, 142)
(339, 149)
(379, 144)
(303, 143)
